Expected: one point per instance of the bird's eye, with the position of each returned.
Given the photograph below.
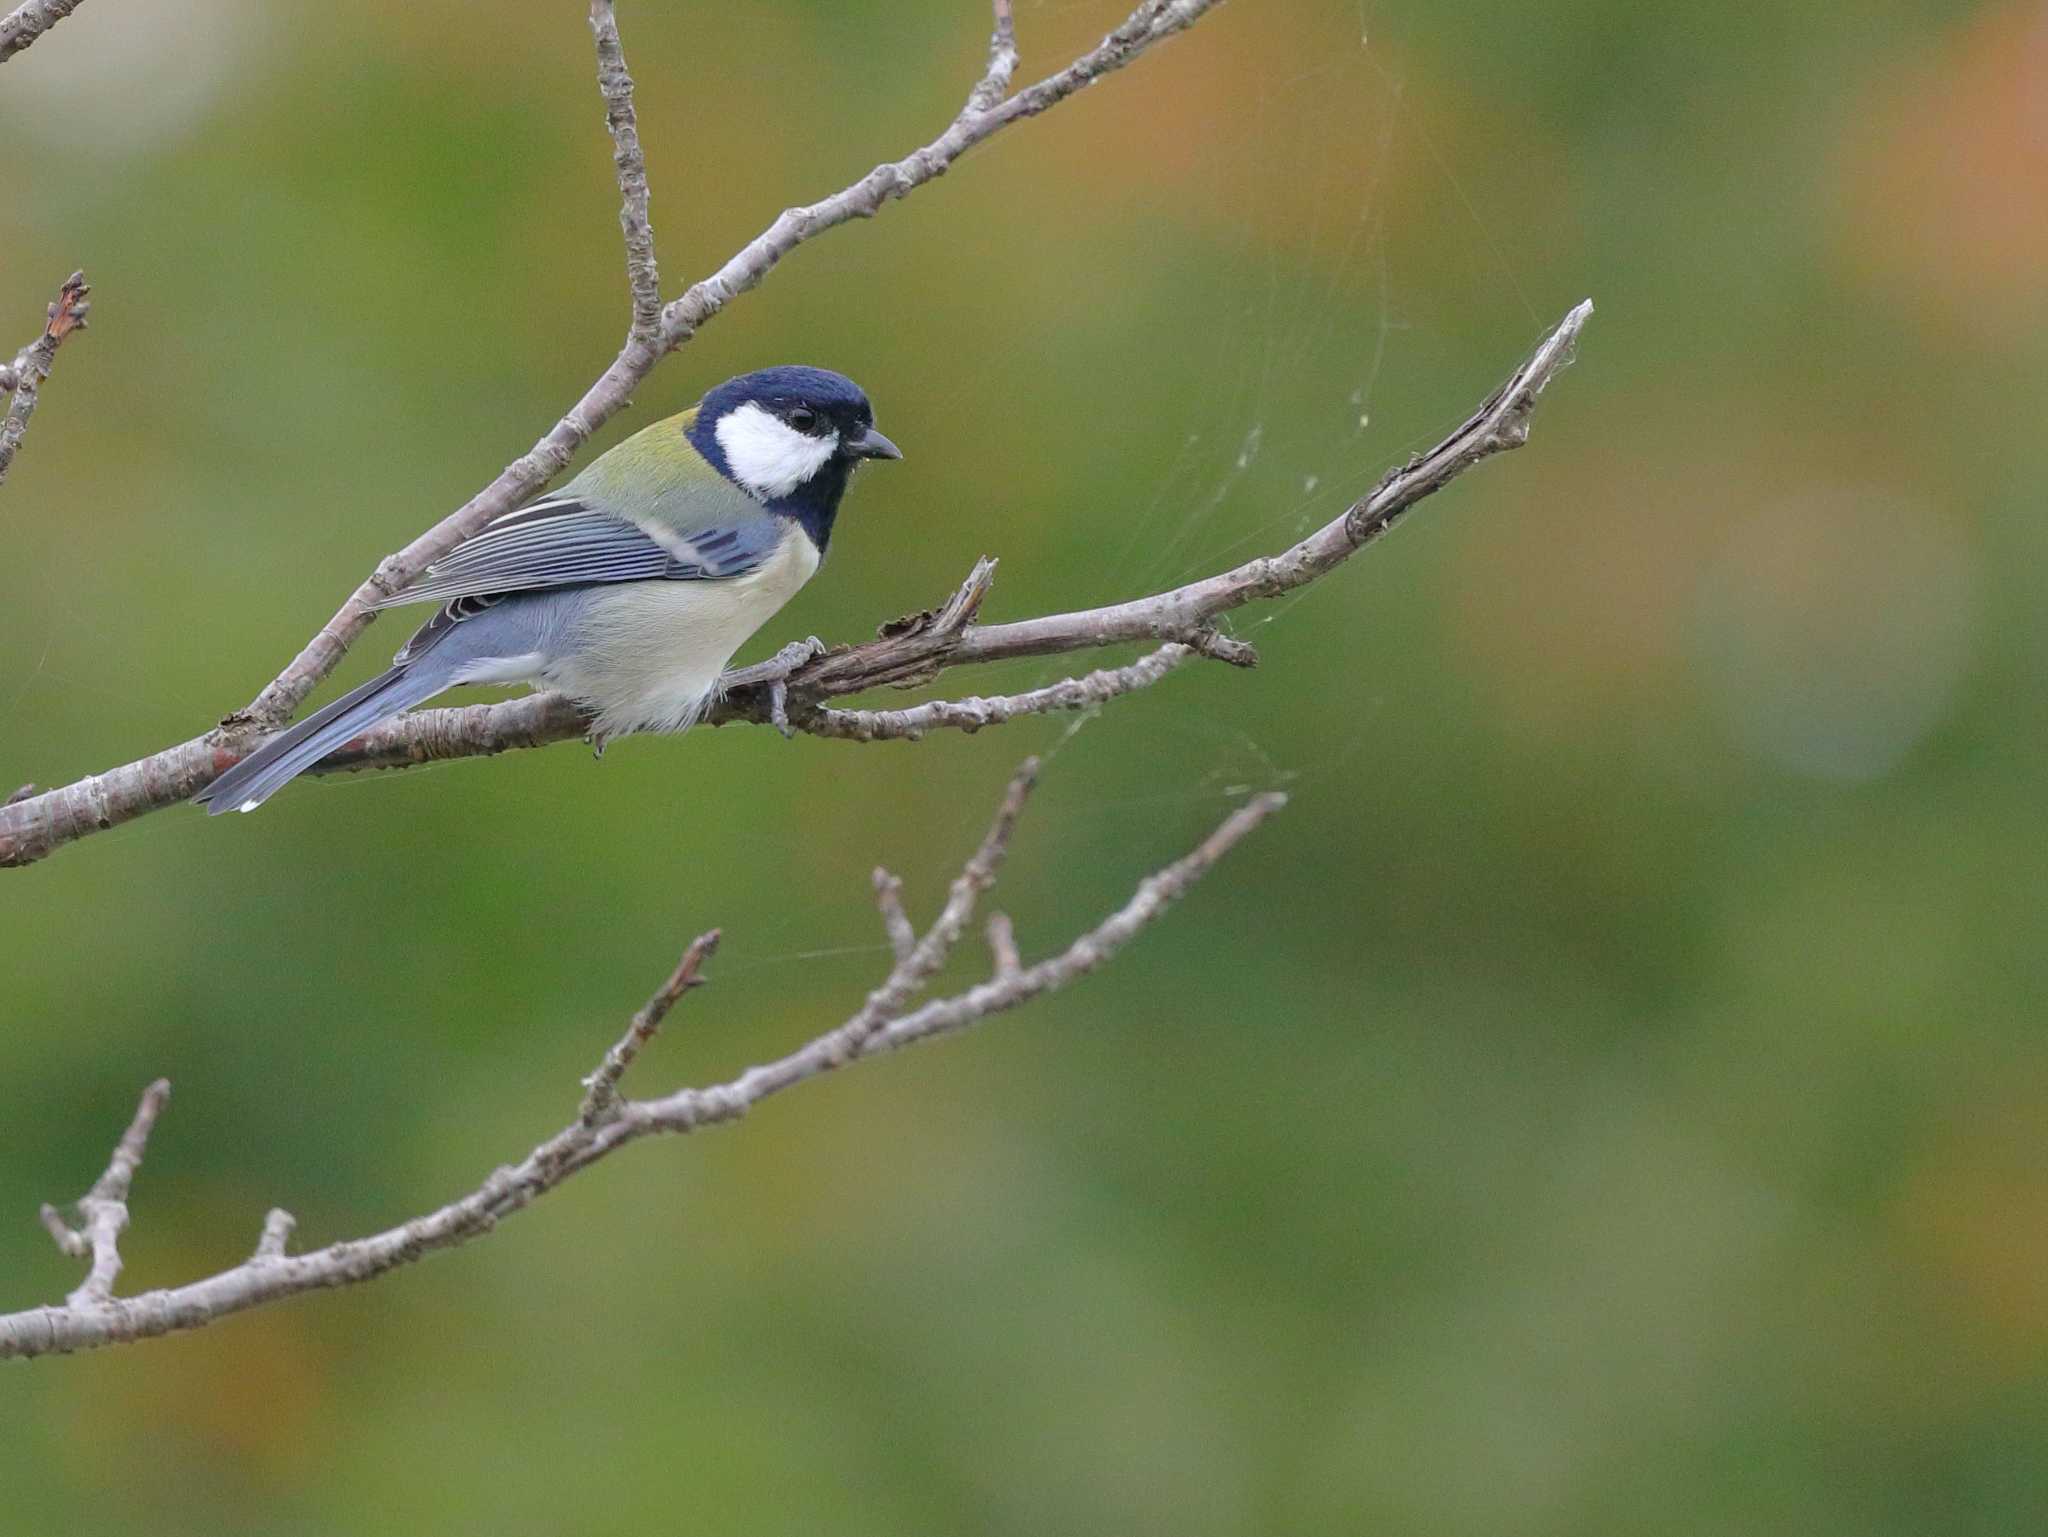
(803, 418)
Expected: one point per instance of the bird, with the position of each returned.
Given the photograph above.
(631, 587)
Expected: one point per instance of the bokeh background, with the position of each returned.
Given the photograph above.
(1610, 1099)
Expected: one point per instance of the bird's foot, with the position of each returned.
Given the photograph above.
(775, 673)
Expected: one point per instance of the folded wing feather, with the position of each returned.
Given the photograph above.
(560, 542)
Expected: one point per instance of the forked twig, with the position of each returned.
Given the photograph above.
(32, 829)
(890, 1017)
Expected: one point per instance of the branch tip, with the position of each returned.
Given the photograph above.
(68, 312)
(277, 1232)
(113, 1185)
(1002, 944)
(1022, 783)
(895, 921)
(68, 1239)
(32, 365)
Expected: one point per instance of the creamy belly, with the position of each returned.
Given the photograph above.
(646, 654)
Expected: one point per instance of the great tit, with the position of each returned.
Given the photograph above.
(631, 587)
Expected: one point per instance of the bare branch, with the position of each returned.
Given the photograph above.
(93, 1317)
(601, 1088)
(29, 21)
(971, 714)
(1155, 894)
(1501, 422)
(895, 921)
(103, 1210)
(31, 366)
(907, 652)
(1149, 23)
(177, 773)
(643, 278)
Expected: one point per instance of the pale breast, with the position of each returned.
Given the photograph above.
(647, 653)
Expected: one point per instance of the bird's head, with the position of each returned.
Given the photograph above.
(790, 437)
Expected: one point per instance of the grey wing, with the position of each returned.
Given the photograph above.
(559, 541)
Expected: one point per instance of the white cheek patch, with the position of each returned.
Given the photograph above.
(768, 456)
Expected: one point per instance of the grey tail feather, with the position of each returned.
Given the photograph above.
(289, 754)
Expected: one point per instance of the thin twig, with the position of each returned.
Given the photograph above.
(29, 21)
(31, 366)
(166, 778)
(911, 971)
(69, 1241)
(895, 921)
(277, 1232)
(103, 1210)
(270, 1274)
(908, 652)
(643, 277)
(1002, 945)
(601, 1088)
(1094, 949)
(994, 84)
(1150, 23)
(1500, 423)
(973, 713)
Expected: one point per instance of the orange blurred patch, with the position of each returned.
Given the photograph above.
(1975, 1217)
(1943, 176)
(249, 1394)
(1572, 607)
(1287, 120)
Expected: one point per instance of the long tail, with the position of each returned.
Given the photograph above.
(286, 756)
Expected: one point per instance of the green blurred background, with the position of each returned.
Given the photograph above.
(1611, 1098)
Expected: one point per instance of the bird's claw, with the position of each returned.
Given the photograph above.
(798, 652)
(775, 674)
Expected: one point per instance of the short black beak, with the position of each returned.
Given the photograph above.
(870, 444)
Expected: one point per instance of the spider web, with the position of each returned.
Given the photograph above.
(1305, 332)
(1305, 326)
